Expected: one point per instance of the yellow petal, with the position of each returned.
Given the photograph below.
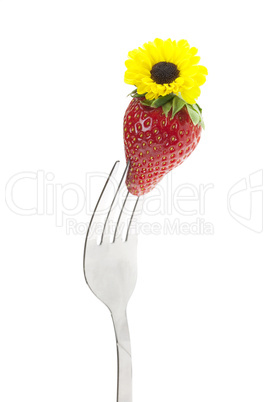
(188, 82)
(187, 98)
(202, 70)
(200, 79)
(142, 59)
(193, 51)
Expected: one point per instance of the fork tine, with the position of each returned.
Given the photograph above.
(119, 217)
(132, 216)
(112, 173)
(112, 203)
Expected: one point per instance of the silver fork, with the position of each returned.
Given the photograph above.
(110, 269)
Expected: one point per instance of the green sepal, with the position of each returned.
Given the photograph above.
(134, 94)
(166, 107)
(202, 123)
(172, 102)
(196, 108)
(147, 102)
(162, 100)
(155, 103)
(177, 105)
(194, 115)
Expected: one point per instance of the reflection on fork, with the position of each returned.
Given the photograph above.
(110, 268)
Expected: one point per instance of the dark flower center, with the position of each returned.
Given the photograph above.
(164, 72)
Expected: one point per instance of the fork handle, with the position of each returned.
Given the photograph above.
(124, 363)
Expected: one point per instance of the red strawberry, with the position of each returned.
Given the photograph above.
(157, 139)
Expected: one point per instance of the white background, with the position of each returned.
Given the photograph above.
(198, 316)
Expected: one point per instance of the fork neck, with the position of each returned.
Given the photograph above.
(124, 362)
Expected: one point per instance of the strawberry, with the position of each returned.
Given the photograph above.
(163, 123)
(158, 136)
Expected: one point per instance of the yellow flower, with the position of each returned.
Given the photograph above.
(162, 67)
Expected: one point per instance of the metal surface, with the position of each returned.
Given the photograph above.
(110, 269)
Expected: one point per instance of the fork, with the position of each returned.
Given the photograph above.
(110, 269)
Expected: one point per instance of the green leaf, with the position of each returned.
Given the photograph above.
(195, 117)
(202, 123)
(200, 110)
(162, 100)
(140, 95)
(166, 107)
(155, 103)
(177, 105)
(134, 94)
(174, 102)
(196, 108)
(146, 102)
